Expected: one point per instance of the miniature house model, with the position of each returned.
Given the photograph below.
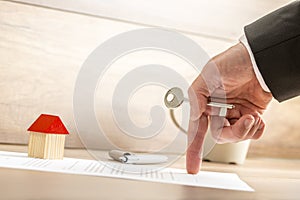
(47, 138)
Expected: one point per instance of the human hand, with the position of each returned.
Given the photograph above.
(231, 75)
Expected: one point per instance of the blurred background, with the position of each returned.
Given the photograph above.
(44, 43)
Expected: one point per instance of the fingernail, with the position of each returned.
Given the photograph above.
(261, 126)
(248, 123)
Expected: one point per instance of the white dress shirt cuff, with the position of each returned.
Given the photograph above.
(259, 77)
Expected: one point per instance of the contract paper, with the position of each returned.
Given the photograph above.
(113, 169)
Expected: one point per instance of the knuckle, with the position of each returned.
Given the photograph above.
(192, 91)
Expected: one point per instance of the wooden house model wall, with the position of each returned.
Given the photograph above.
(47, 138)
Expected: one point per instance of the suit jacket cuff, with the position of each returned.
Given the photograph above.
(259, 77)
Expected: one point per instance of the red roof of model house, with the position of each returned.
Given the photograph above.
(48, 124)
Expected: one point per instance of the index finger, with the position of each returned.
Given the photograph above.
(196, 134)
(198, 124)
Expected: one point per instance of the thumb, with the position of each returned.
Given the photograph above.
(233, 133)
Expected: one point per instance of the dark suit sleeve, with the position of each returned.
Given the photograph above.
(275, 43)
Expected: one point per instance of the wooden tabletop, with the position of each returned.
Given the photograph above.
(271, 179)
